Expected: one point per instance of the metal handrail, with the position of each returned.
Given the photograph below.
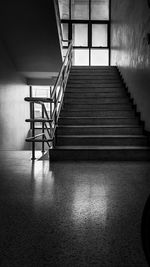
(62, 69)
(55, 99)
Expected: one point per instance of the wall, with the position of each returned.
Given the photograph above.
(130, 49)
(29, 30)
(13, 109)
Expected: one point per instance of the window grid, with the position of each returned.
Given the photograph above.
(89, 22)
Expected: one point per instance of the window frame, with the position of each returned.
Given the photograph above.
(89, 23)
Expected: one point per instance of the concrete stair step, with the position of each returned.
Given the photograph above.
(98, 121)
(94, 82)
(98, 113)
(95, 70)
(98, 78)
(93, 75)
(101, 140)
(89, 86)
(97, 153)
(82, 94)
(100, 130)
(102, 100)
(76, 107)
(93, 67)
(99, 89)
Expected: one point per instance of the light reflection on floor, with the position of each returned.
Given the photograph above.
(89, 202)
(43, 185)
(71, 214)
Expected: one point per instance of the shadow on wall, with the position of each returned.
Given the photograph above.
(131, 50)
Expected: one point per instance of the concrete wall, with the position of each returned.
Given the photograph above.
(13, 109)
(29, 51)
(130, 49)
(29, 30)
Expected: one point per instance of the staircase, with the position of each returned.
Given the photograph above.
(98, 120)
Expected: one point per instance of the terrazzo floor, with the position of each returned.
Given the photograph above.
(71, 214)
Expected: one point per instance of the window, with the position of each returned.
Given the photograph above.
(87, 23)
(64, 9)
(80, 9)
(99, 57)
(40, 91)
(81, 57)
(80, 34)
(99, 9)
(99, 35)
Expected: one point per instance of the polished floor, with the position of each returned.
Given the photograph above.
(71, 214)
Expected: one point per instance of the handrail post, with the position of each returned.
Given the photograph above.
(43, 150)
(50, 111)
(55, 116)
(32, 130)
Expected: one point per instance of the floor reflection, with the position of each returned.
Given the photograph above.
(89, 202)
(43, 185)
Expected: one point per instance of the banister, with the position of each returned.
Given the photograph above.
(34, 137)
(38, 99)
(61, 71)
(55, 100)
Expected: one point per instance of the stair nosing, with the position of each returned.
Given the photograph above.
(102, 136)
(101, 126)
(102, 148)
(85, 117)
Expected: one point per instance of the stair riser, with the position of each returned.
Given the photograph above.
(99, 113)
(97, 121)
(95, 83)
(94, 155)
(94, 72)
(81, 94)
(98, 90)
(100, 131)
(85, 79)
(103, 141)
(90, 76)
(77, 107)
(105, 100)
(88, 85)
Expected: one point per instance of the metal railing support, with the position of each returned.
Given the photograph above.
(55, 101)
(43, 137)
(33, 130)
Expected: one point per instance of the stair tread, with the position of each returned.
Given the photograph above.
(101, 147)
(103, 136)
(94, 110)
(100, 126)
(102, 117)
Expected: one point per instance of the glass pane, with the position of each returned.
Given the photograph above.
(81, 57)
(99, 57)
(99, 35)
(40, 91)
(99, 9)
(65, 33)
(80, 34)
(80, 9)
(64, 9)
(64, 52)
